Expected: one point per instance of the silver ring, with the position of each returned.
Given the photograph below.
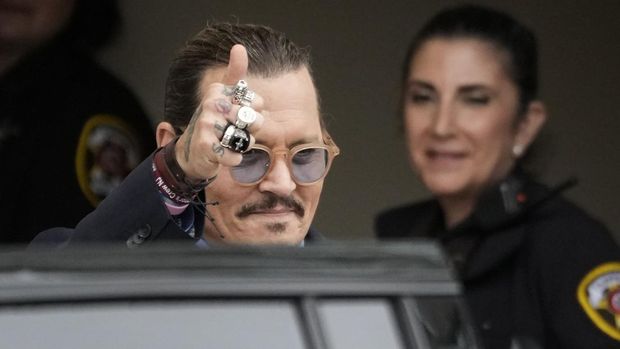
(240, 87)
(239, 91)
(247, 98)
(245, 117)
(242, 95)
(235, 139)
(229, 131)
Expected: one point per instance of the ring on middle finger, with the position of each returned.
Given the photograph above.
(245, 117)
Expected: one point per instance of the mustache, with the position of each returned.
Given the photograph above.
(270, 201)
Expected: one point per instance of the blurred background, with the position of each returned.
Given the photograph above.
(358, 48)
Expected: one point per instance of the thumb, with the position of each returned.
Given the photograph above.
(237, 65)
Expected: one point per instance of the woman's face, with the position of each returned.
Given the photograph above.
(460, 116)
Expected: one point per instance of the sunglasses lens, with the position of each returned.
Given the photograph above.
(309, 164)
(253, 166)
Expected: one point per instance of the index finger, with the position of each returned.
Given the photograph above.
(237, 65)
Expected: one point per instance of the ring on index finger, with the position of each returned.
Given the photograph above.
(247, 98)
(242, 95)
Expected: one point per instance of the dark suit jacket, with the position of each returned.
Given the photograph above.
(133, 214)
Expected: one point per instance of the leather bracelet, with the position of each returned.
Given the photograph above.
(165, 182)
(174, 176)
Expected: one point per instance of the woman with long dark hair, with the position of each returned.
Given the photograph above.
(537, 270)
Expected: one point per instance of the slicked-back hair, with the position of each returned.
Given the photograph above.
(494, 27)
(270, 54)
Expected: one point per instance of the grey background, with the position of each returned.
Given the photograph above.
(358, 47)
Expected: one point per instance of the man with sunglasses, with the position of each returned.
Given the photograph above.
(242, 126)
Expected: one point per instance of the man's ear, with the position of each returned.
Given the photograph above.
(529, 126)
(164, 133)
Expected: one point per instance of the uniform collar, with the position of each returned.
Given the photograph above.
(494, 228)
(511, 199)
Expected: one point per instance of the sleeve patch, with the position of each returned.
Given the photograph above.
(599, 296)
(107, 151)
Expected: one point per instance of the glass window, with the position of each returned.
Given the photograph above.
(195, 324)
(360, 324)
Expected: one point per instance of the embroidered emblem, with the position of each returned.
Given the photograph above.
(599, 296)
(106, 153)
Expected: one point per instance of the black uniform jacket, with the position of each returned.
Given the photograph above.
(133, 214)
(521, 256)
(46, 102)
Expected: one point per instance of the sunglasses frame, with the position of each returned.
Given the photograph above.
(332, 151)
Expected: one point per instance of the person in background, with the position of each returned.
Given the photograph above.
(538, 272)
(242, 125)
(69, 130)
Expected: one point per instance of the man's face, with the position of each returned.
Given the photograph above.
(276, 210)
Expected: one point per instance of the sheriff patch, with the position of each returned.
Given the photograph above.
(599, 296)
(106, 153)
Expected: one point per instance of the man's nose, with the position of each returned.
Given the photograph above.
(278, 180)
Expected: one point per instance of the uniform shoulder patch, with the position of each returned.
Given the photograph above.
(599, 296)
(107, 151)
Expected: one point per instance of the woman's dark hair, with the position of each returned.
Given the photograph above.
(494, 27)
(93, 24)
(270, 54)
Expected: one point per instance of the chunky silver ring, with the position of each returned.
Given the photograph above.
(241, 86)
(245, 117)
(229, 131)
(242, 95)
(239, 91)
(247, 98)
(235, 139)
